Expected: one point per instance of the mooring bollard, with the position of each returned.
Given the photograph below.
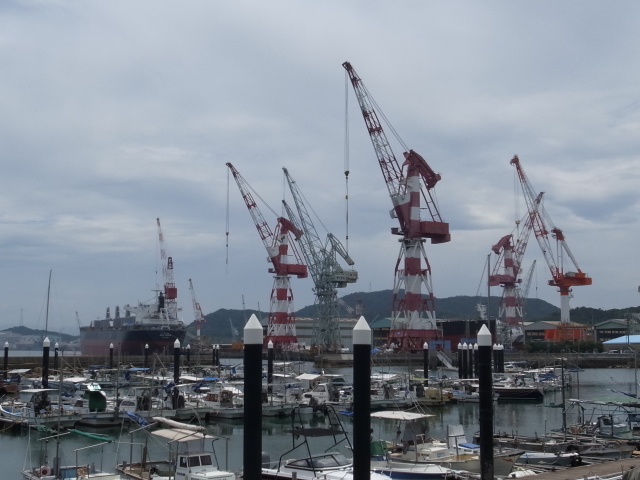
(485, 380)
(361, 400)
(252, 441)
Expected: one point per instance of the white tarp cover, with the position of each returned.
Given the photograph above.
(399, 415)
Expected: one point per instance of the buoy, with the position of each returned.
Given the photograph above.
(45, 470)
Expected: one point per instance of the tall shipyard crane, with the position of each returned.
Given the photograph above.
(282, 327)
(413, 317)
(555, 258)
(170, 290)
(510, 262)
(197, 311)
(325, 270)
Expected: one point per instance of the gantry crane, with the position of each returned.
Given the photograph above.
(282, 328)
(413, 317)
(325, 270)
(555, 258)
(197, 311)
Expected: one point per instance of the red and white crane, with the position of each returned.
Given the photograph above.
(510, 262)
(409, 185)
(197, 311)
(282, 328)
(170, 290)
(555, 258)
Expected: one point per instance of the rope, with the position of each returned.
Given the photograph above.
(227, 225)
(346, 157)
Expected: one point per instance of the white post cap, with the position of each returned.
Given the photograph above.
(110, 346)
(253, 331)
(188, 346)
(459, 346)
(270, 344)
(484, 337)
(362, 333)
(6, 344)
(176, 344)
(425, 346)
(46, 342)
(56, 345)
(146, 345)
(475, 346)
(465, 346)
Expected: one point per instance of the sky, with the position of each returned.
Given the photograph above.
(117, 113)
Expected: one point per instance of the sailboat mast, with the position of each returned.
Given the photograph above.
(46, 321)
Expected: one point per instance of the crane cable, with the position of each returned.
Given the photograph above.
(227, 224)
(346, 157)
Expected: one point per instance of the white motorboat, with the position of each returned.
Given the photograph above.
(188, 459)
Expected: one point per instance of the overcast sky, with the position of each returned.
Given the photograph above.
(116, 113)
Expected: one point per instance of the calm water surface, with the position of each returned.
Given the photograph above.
(24, 449)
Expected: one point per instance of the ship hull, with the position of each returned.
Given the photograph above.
(129, 341)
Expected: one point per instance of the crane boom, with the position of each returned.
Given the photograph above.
(410, 188)
(542, 227)
(325, 269)
(197, 311)
(281, 328)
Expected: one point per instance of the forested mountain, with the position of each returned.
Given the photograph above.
(220, 324)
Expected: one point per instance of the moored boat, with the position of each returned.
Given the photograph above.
(154, 323)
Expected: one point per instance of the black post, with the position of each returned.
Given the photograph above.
(189, 354)
(476, 369)
(270, 367)
(460, 367)
(176, 373)
(213, 355)
(465, 360)
(495, 359)
(146, 355)
(55, 356)
(361, 400)
(501, 358)
(485, 381)
(6, 359)
(176, 361)
(470, 361)
(45, 362)
(111, 355)
(252, 439)
(425, 362)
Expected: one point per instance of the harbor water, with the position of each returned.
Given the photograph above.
(24, 449)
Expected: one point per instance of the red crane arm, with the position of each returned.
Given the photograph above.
(276, 248)
(399, 184)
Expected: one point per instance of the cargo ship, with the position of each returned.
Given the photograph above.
(154, 323)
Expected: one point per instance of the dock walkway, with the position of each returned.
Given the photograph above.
(590, 471)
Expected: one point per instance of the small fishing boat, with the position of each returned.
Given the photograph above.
(330, 465)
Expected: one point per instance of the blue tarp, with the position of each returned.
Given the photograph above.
(469, 445)
(136, 418)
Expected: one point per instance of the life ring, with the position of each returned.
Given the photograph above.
(45, 470)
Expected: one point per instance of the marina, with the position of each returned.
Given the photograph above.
(517, 419)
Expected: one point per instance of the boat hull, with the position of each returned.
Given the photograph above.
(128, 340)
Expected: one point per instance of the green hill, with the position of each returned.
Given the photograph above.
(375, 305)
(42, 333)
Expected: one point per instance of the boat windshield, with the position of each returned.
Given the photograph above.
(334, 460)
